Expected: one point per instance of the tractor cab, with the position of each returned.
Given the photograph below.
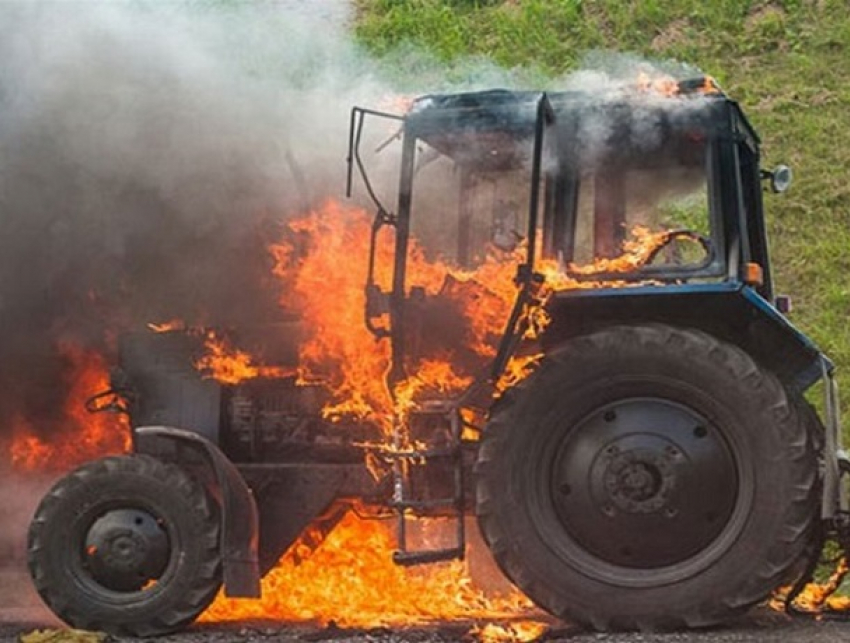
(587, 170)
(658, 191)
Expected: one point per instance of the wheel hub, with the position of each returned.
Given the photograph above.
(643, 483)
(126, 549)
(638, 480)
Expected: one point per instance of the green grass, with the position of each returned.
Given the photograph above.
(786, 62)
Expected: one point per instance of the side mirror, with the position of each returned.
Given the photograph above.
(780, 178)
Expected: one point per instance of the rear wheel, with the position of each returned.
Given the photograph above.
(127, 545)
(647, 478)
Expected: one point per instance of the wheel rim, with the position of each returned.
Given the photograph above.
(124, 550)
(641, 484)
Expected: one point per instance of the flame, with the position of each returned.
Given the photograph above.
(660, 84)
(230, 365)
(338, 349)
(637, 251)
(668, 86)
(710, 86)
(350, 580)
(434, 375)
(815, 596)
(397, 104)
(167, 326)
(517, 369)
(523, 631)
(85, 436)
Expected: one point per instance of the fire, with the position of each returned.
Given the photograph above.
(637, 251)
(230, 365)
(817, 596)
(517, 369)
(668, 86)
(85, 435)
(661, 84)
(338, 349)
(222, 361)
(522, 631)
(436, 375)
(396, 104)
(167, 326)
(350, 580)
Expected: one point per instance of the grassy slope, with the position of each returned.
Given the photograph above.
(788, 63)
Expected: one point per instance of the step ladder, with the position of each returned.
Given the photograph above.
(404, 504)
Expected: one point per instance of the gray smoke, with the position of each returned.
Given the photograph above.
(148, 154)
(19, 496)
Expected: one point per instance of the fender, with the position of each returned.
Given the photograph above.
(729, 311)
(240, 522)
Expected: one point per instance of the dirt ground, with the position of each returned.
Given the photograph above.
(21, 612)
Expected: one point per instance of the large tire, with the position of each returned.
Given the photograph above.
(126, 545)
(647, 478)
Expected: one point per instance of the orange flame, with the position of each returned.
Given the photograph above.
(523, 631)
(351, 580)
(85, 435)
(338, 349)
(668, 86)
(660, 84)
(167, 326)
(229, 365)
(816, 596)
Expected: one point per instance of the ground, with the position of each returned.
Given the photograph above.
(21, 612)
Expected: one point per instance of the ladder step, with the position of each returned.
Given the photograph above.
(448, 503)
(427, 453)
(406, 558)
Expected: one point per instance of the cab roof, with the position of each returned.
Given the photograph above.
(493, 129)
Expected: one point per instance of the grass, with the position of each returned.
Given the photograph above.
(784, 61)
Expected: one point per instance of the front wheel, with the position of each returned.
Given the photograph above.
(647, 478)
(127, 545)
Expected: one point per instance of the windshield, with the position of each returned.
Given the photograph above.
(656, 204)
(615, 208)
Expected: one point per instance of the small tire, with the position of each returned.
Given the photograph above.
(647, 478)
(127, 545)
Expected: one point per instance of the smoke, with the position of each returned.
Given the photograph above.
(19, 496)
(148, 154)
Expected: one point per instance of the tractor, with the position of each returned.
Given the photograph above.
(659, 468)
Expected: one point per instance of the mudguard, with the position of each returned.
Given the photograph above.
(732, 312)
(240, 521)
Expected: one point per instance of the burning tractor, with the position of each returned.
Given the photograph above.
(636, 447)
